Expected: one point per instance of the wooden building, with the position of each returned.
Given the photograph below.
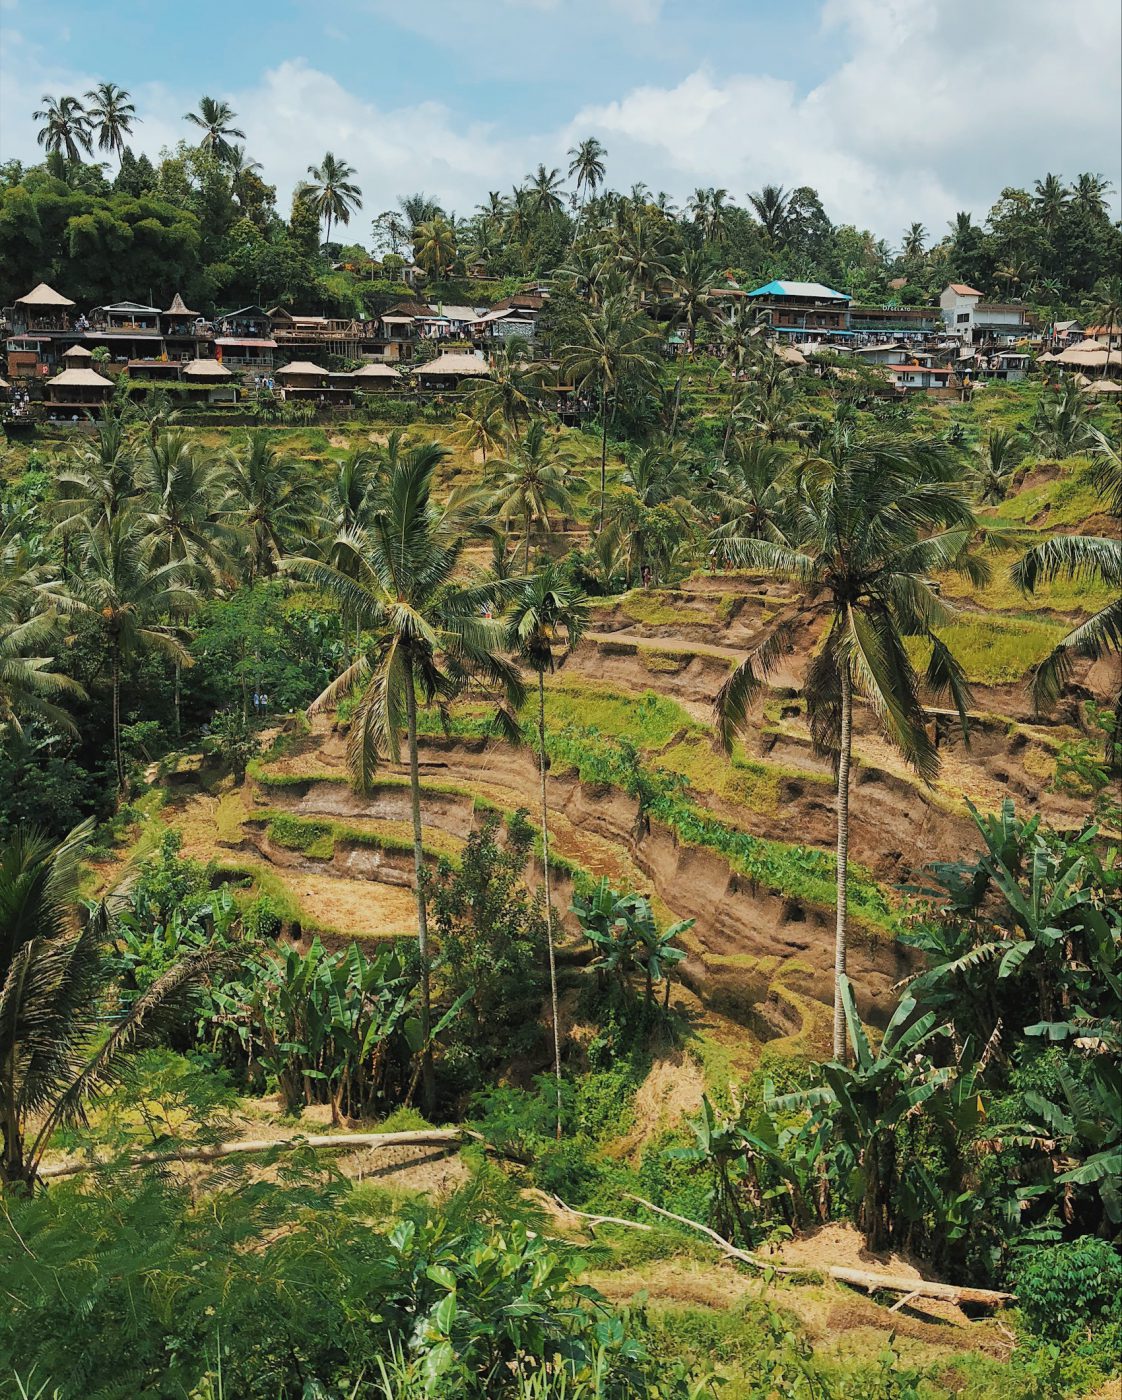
(450, 370)
(78, 390)
(802, 308)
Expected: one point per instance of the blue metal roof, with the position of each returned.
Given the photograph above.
(779, 288)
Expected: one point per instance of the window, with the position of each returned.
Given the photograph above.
(962, 317)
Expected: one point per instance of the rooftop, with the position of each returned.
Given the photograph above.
(815, 290)
(960, 289)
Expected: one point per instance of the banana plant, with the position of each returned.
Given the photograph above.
(623, 930)
(861, 1106)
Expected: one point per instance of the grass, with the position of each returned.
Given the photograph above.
(994, 650)
(1064, 502)
(1000, 594)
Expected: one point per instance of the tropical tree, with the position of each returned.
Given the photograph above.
(586, 167)
(510, 392)
(129, 600)
(241, 167)
(773, 209)
(914, 240)
(692, 284)
(861, 1107)
(1089, 192)
(750, 496)
(531, 483)
(614, 346)
(65, 127)
(188, 512)
(996, 461)
(29, 636)
(1104, 307)
(434, 246)
(96, 484)
(1050, 199)
(55, 1054)
(428, 639)
(1088, 557)
(216, 121)
(332, 193)
(546, 612)
(544, 190)
(276, 500)
(479, 426)
(110, 116)
(872, 530)
(708, 208)
(1062, 424)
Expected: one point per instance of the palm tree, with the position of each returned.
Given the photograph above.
(531, 483)
(479, 426)
(434, 246)
(1050, 199)
(692, 285)
(241, 166)
(276, 500)
(54, 1050)
(750, 496)
(1104, 308)
(97, 484)
(544, 190)
(129, 599)
(1085, 557)
(586, 165)
(996, 461)
(65, 127)
(28, 636)
(546, 610)
(332, 193)
(418, 208)
(615, 346)
(914, 239)
(188, 509)
(511, 391)
(864, 550)
(639, 255)
(216, 121)
(428, 638)
(709, 210)
(1089, 192)
(110, 116)
(772, 205)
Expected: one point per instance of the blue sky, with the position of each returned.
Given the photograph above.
(871, 101)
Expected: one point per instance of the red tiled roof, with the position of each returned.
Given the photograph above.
(962, 290)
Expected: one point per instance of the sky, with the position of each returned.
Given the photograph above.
(894, 110)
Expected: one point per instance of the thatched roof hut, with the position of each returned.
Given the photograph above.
(78, 356)
(75, 387)
(453, 366)
(179, 308)
(204, 371)
(375, 376)
(301, 372)
(42, 295)
(1103, 386)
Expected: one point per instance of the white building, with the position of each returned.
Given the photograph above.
(974, 321)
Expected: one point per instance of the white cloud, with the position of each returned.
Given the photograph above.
(929, 109)
(932, 109)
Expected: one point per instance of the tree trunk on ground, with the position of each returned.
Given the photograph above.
(542, 765)
(842, 927)
(428, 1085)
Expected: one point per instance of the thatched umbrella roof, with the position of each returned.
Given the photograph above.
(379, 371)
(78, 353)
(42, 295)
(206, 369)
(178, 308)
(80, 379)
(1091, 353)
(1104, 386)
(4, 383)
(452, 363)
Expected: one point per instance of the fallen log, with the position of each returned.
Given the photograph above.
(869, 1279)
(213, 1152)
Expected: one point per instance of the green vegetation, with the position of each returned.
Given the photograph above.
(186, 605)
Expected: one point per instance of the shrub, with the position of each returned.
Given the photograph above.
(1069, 1286)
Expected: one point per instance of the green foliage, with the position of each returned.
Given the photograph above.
(491, 952)
(623, 931)
(266, 1290)
(333, 1028)
(1067, 1287)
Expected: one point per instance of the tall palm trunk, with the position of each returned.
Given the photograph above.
(542, 767)
(526, 568)
(118, 759)
(428, 1083)
(603, 456)
(842, 930)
